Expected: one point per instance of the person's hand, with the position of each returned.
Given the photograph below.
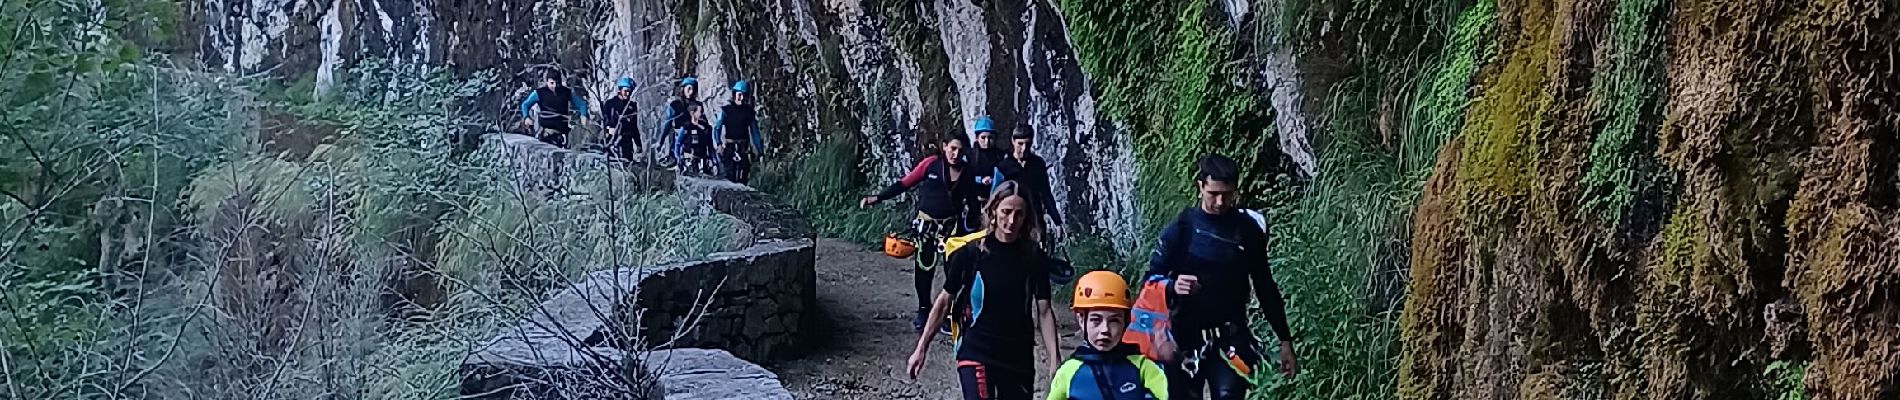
(916, 364)
(1164, 347)
(1288, 366)
(867, 201)
(1186, 284)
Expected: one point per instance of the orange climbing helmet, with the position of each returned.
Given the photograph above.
(1101, 289)
(897, 247)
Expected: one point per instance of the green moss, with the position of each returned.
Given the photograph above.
(1495, 173)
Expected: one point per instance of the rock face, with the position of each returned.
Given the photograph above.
(593, 338)
(893, 74)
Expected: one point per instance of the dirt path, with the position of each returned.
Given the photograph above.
(867, 300)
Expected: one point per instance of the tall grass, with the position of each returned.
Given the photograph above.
(171, 234)
(825, 186)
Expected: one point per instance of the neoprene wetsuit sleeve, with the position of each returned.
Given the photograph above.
(758, 141)
(580, 104)
(679, 142)
(527, 104)
(1265, 289)
(719, 124)
(910, 180)
(1160, 262)
(1059, 382)
(1153, 377)
(1048, 195)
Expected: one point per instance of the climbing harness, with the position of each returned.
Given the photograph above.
(1229, 353)
(932, 232)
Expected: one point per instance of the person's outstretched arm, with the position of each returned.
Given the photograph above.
(527, 104)
(910, 180)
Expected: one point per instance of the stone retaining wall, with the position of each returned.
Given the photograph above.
(534, 166)
(749, 303)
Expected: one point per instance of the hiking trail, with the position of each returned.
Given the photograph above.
(865, 300)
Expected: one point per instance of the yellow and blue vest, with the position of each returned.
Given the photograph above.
(1118, 374)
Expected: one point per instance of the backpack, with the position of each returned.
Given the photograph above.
(1148, 320)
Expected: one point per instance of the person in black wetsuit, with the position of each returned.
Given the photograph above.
(945, 189)
(622, 120)
(738, 137)
(987, 154)
(1215, 256)
(983, 160)
(1029, 169)
(997, 292)
(694, 138)
(557, 103)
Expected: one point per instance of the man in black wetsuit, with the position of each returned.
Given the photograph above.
(1215, 255)
(737, 135)
(557, 102)
(1032, 172)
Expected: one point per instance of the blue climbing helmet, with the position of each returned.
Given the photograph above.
(741, 86)
(624, 83)
(983, 124)
(689, 81)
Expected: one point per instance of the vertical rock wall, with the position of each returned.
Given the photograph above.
(1666, 208)
(894, 74)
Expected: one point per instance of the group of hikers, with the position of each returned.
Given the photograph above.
(723, 147)
(981, 213)
(986, 212)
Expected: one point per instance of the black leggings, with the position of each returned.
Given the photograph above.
(922, 279)
(627, 143)
(924, 269)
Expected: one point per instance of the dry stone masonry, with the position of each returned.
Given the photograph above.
(686, 330)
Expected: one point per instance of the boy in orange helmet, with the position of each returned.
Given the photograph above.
(1104, 368)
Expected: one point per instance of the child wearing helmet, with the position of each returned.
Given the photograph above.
(695, 139)
(685, 98)
(1104, 368)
